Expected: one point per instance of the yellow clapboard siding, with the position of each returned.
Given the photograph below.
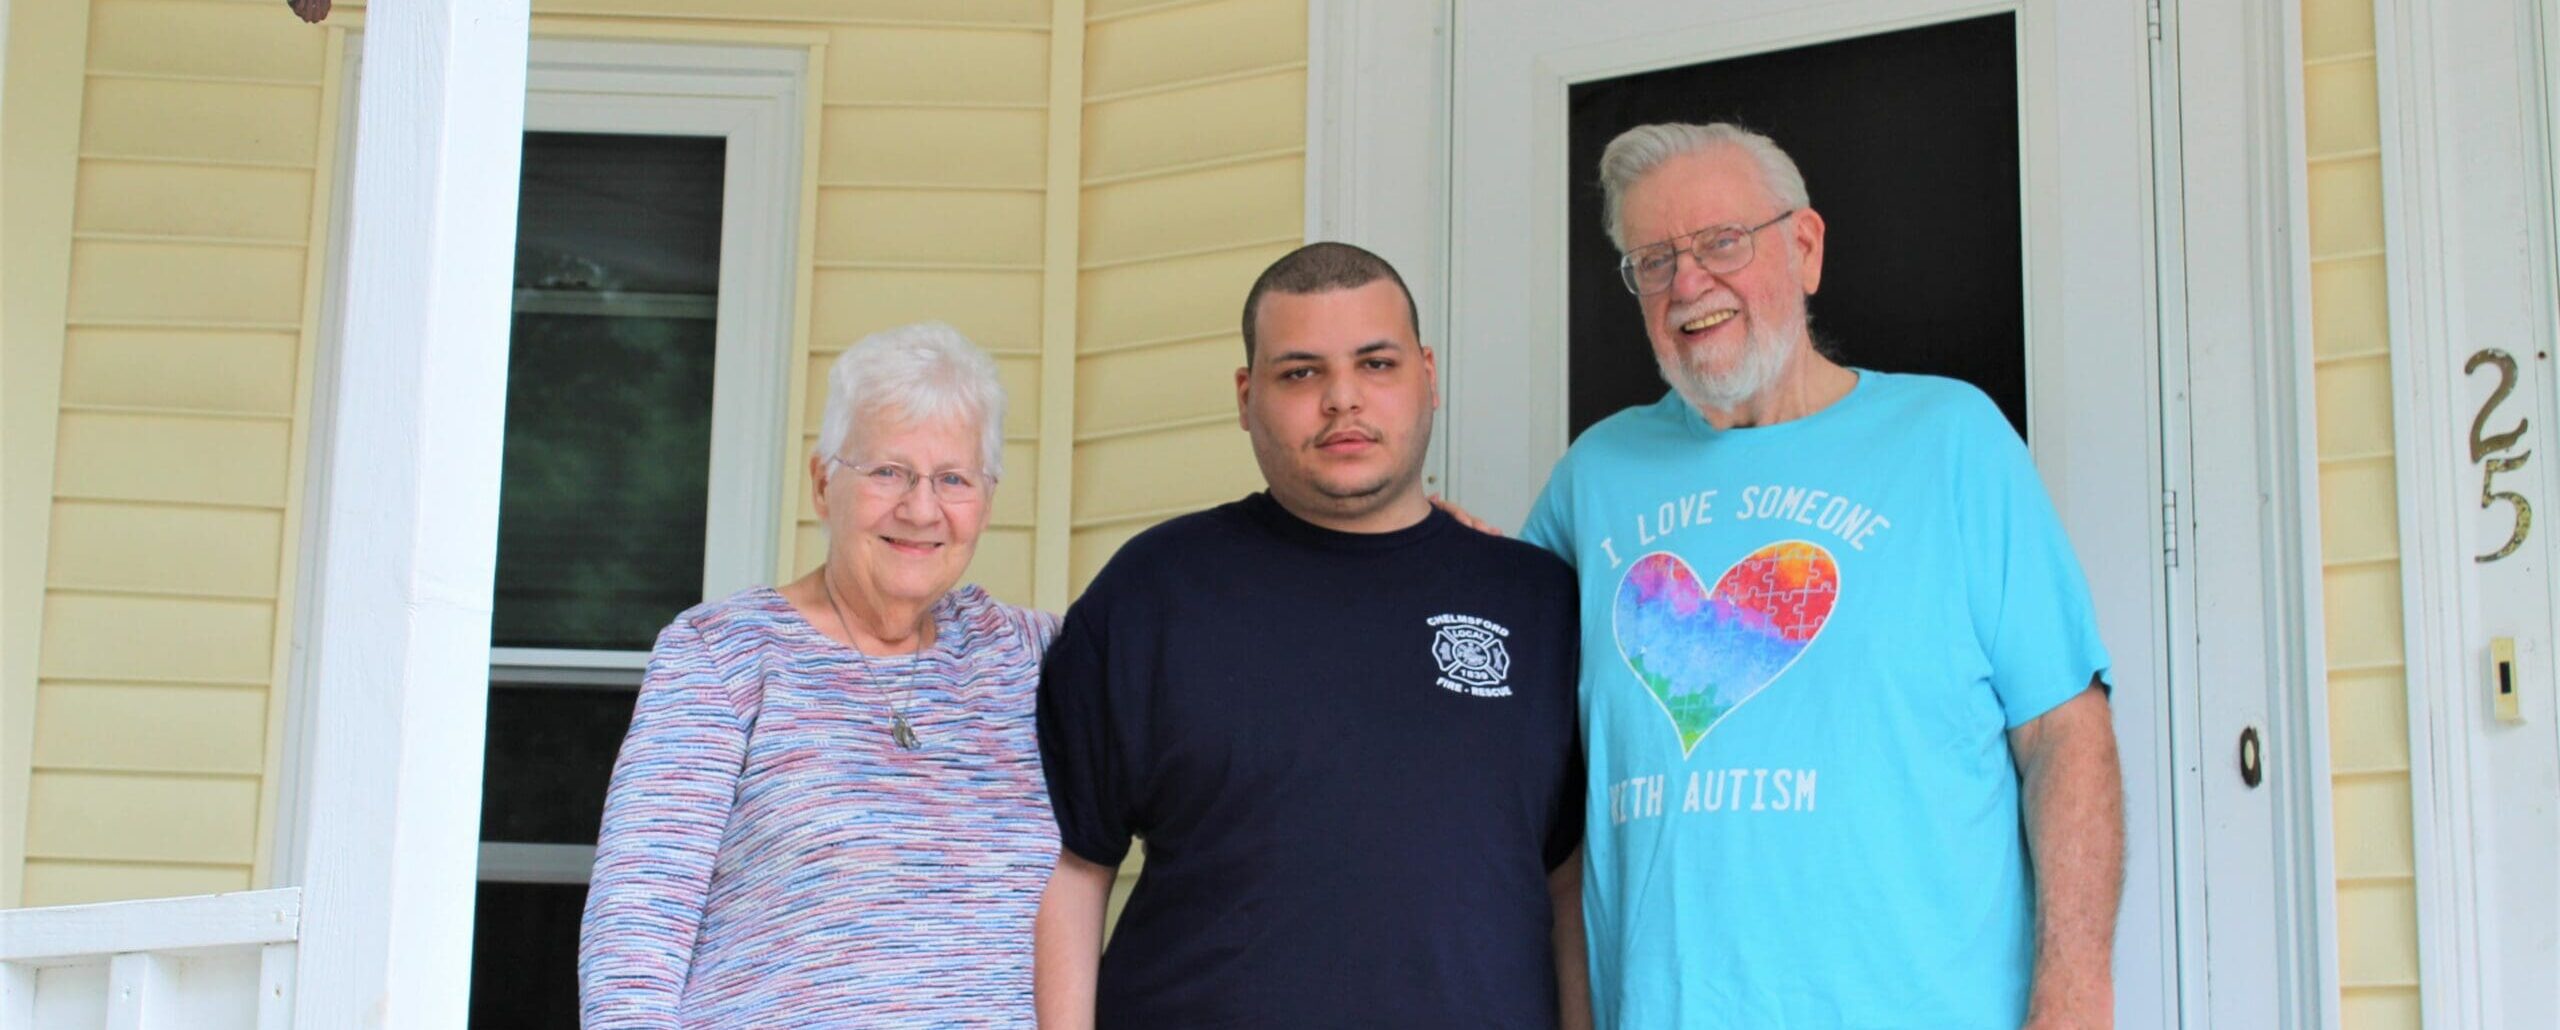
(994, 12)
(1167, 299)
(1184, 43)
(1158, 384)
(1218, 120)
(1095, 9)
(2351, 526)
(2355, 407)
(142, 818)
(2369, 720)
(2371, 1008)
(1020, 374)
(130, 457)
(1014, 495)
(1090, 549)
(2379, 807)
(1003, 565)
(869, 64)
(2339, 115)
(190, 37)
(147, 727)
(1176, 469)
(185, 282)
(2348, 217)
(59, 882)
(1000, 311)
(2361, 609)
(939, 226)
(156, 548)
(2350, 308)
(181, 369)
(942, 146)
(156, 639)
(2331, 28)
(221, 121)
(138, 197)
(1212, 207)
(2378, 933)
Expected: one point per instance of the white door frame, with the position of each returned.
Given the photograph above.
(2468, 165)
(1378, 138)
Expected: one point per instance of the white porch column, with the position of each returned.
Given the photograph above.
(410, 547)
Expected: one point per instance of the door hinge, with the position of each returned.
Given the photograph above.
(2151, 17)
(2169, 526)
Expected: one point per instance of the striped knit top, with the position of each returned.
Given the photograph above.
(770, 858)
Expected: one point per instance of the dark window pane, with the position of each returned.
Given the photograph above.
(550, 754)
(524, 956)
(608, 439)
(1908, 142)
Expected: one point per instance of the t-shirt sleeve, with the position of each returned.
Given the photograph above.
(2029, 600)
(1081, 749)
(1550, 522)
(1564, 835)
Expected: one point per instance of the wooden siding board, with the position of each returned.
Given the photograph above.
(2350, 308)
(1198, 210)
(1218, 120)
(998, 310)
(1176, 469)
(132, 457)
(932, 145)
(1191, 42)
(2335, 28)
(190, 37)
(75, 882)
(1128, 389)
(186, 283)
(2354, 399)
(937, 226)
(220, 121)
(139, 818)
(1027, 13)
(2351, 525)
(2361, 610)
(2383, 846)
(157, 548)
(156, 639)
(140, 197)
(2369, 720)
(2378, 934)
(1003, 565)
(151, 727)
(2347, 220)
(186, 370)
(2339, 109)
(873, 65)
(1160, 300)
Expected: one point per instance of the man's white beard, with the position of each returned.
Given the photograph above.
(1764, 358)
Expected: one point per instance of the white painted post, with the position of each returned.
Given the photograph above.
(138, 995)
(406, 562)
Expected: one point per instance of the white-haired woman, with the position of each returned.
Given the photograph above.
(829, 809)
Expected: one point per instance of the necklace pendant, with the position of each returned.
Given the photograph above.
(902, 734)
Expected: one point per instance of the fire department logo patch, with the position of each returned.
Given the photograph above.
(1471, 655)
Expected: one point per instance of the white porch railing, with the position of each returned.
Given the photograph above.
(218, 961)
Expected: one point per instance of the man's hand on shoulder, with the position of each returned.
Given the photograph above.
(1464, 517)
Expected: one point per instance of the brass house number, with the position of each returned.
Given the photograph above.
(2487, 450)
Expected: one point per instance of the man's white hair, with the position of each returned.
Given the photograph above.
(1640, 150)
(913, 374)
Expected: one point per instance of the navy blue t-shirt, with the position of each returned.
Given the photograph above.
(1353, 759)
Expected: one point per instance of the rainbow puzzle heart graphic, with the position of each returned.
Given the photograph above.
(1702, 653)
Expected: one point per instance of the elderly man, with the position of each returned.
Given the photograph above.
(1342, 721)
(1842, 692)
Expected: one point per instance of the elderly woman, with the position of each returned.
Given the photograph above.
(829, 809)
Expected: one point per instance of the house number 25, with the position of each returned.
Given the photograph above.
(2485, 448)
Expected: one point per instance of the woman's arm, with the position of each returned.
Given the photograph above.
(663, 818)
(1066, 953)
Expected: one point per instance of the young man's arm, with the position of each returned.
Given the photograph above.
(1066, 942)
(2074, 806)
(1573, 978)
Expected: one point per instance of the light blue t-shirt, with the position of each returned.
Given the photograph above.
(1803, 645)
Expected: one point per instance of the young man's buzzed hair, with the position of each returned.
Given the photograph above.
(1322, 267)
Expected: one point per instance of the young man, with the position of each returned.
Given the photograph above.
(1342, 722)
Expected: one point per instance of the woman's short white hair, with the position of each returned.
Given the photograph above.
(1640, 150)
(921, 373)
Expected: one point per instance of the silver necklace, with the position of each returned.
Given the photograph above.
(900, 732)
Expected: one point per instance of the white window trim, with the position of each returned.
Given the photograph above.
(1377, 125)
(753, 96)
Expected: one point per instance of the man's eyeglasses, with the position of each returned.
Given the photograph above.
(1721, 250)
(890, 481)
